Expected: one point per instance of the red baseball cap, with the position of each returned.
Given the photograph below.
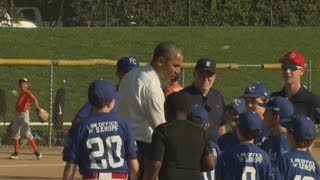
(293, 57)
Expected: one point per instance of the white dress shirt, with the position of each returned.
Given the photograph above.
(142, 101)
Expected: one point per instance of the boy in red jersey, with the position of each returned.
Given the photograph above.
(21, 123)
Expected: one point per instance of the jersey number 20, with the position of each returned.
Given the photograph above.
(101, 151)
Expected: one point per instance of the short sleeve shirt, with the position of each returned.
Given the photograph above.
(297, 164)
(102, 142)
(180, 145)
(244, 160)
(304, 103)
(25, 100)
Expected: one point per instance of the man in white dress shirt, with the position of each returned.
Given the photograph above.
(142, 97)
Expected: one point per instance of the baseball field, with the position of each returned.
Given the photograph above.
(242, 45)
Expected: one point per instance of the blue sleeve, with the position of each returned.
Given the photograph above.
(71, 148)
(131, 145)
(221, 142)
(219, 168)
(215, 149)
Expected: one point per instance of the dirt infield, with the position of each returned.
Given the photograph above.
(49, 167)
(28, 167)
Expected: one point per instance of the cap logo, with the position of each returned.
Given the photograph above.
(132, 60)
(236, 102)
(292, 55)
(208, 63)
(252, 88)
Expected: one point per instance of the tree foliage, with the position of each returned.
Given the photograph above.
(183, 12)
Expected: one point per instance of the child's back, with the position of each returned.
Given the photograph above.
(298, 164)
(244, 160)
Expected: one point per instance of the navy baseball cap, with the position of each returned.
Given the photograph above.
(206, 64)
(301, 126)
(199, 112)
(280, 105)
(250, 121)
(101, 92)
(238, 104)
(127, 63)
(256, 90)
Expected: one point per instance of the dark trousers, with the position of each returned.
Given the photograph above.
(143, 152)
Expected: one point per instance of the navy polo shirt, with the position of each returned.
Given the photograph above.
(304, 102)
(214, 99)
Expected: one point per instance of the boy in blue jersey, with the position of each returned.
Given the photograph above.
(277, 109)
(102, 145)
(228, 140)
(298, 162)
(245, 160)
(255, 94)
(199, 115)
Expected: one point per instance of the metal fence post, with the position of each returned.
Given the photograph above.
(106, 13)
(51, 88)
(309, 75)
(189, 13)
(271, 13)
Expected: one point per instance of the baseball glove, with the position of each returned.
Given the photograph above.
(43, 115)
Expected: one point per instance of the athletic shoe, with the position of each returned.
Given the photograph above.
(14, 155)
(38, 154)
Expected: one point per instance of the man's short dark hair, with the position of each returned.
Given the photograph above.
(166, 49)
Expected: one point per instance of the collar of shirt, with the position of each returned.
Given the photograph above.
(151, 68)
(195, 90)
(300, 94)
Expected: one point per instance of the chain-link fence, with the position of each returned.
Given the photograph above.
(62, 90)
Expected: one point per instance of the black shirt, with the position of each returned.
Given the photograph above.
(214, 100)
(304, 102)
(180, 145)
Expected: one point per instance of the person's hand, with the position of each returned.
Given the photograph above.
(206, 127)
(15, 93)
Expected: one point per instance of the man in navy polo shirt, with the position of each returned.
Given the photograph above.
(202, 93)
(304, 101)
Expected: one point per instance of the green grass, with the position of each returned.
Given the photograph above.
(248, 45)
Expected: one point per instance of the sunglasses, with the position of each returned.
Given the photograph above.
(291, 67)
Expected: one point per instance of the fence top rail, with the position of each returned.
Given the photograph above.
(112, 63)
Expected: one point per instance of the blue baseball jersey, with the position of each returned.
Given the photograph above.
(275, 146)
(102, 142)
(297, 164)
(228, 140)
(216, 152)
(244, 161)
(263, 136)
